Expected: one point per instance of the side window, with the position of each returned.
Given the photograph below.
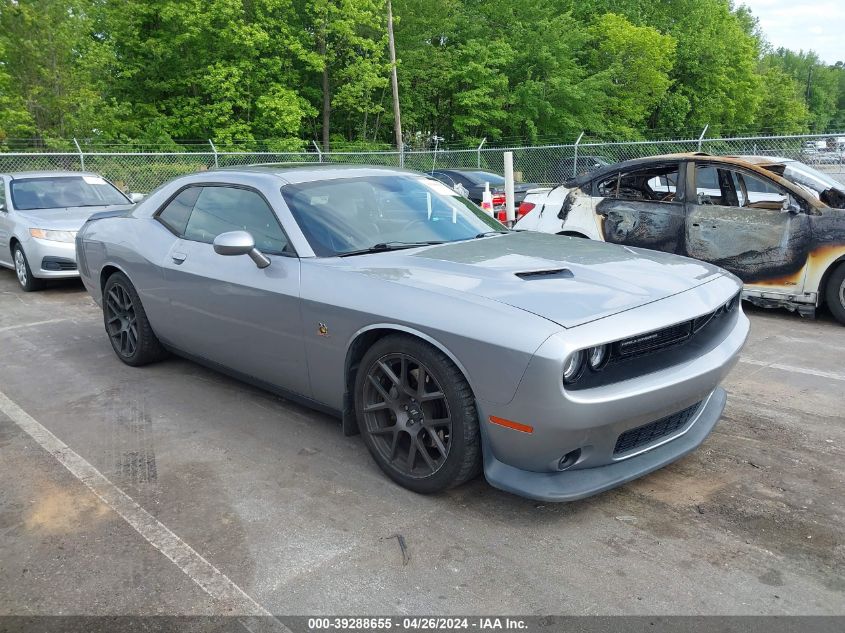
(736, 188)
(175, 215)
(707, 187)
(221, 209)
(755, 192)
(654, 184)
(3, 195)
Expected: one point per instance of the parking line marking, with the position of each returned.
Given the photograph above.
(20, 326)
(796, 370)
(210, 579)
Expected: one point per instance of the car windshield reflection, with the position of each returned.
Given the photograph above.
(350, 216)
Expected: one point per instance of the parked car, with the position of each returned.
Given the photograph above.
(473, 181)
(786, 245)
(571, 167)
(382, 296)
(821, 185)
(40, 213)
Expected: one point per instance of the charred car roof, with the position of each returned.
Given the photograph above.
(701, 157)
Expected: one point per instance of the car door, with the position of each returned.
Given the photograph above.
(642, 206)
(224, 308)
(6, 225)
(748, 224)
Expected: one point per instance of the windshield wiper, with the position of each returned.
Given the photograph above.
(383, 247)
(487, 233)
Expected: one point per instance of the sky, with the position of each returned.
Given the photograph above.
(803, 24)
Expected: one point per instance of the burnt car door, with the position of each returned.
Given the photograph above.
(643, 206)
(224, 308)
(749, 225)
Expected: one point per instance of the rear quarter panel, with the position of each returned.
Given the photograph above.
(136, 247)
(561, 210)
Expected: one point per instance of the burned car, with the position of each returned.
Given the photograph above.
(784, 242)
(381, 296)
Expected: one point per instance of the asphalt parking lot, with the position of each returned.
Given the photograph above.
(295, 518)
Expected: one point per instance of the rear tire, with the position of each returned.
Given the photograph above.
(417, 415)
(129, 331)
(835, 293)
(23, 272)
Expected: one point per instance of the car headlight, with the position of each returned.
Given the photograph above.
(574, 367)
(598, 357)
(53, 236)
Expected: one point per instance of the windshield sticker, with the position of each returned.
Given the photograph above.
(438, 187)
(94, 180)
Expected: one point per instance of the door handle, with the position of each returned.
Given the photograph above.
(179, 257)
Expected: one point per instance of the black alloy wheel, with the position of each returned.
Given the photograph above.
(128, 329)
(417, 415)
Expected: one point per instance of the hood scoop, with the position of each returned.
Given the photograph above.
(551, 273)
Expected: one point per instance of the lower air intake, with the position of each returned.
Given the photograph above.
(653, 431)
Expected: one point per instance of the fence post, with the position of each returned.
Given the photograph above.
(575, 160)
(81, 155)
(701, 138)
(319, 151)
(510, 215)
(214, 149)
(480, 145)
(402, 155)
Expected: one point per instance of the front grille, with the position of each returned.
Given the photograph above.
(653, 431)
(669, 336)
(645, 343)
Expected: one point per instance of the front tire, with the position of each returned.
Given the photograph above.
(127, 326)
(417, 415)
(835, 293)
(23, 272)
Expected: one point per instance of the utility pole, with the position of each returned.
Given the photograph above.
(394, 81)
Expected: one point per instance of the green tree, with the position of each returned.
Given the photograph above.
(349, 40)
(197, 69)
(629, 72)
(47, 50)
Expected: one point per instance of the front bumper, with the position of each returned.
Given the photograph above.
(51, 260)
(676, 393)
(571, 485)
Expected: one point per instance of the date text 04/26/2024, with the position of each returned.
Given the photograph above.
(417, 624)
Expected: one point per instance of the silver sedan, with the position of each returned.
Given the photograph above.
(40, 213)
(560, 367)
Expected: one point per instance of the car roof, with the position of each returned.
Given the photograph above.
(306, 172)
(696, 156)
(765, 160)
(50, 173)
(465, 170)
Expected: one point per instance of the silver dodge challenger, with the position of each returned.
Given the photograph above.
(561, 367)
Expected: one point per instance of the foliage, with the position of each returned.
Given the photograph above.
(281, 73)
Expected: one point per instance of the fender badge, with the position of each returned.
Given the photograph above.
(322, 330)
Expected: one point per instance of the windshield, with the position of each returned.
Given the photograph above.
(57, 192)
(354, 214)
(801, 174)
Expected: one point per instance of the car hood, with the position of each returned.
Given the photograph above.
(66, 218)
(569, 281)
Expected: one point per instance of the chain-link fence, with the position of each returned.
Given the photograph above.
(548, 164)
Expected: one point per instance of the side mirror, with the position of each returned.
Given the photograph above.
(136, 197)
(240, 243)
